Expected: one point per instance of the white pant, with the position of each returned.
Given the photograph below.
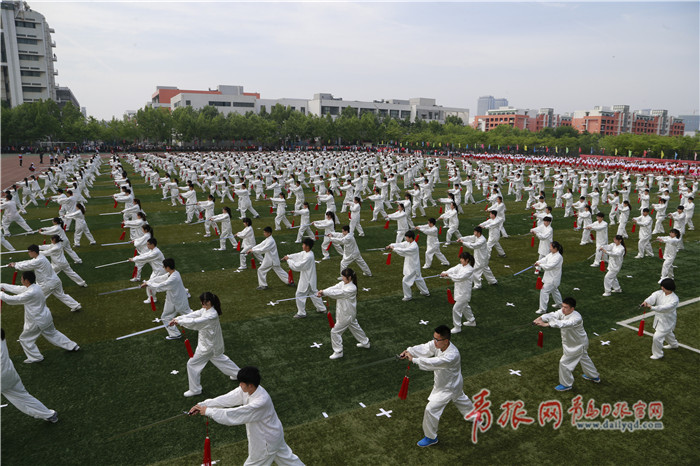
(461, 309)
(200, 359)
(169, 313)
(434, 251)
(282, 457)
(70, 273)
(610, 281)
(667, 269)
(568, 363)
(434, 409)
(301, 296)
(6, 222)
(419, 282)
(56, 289)
(342, 324)
(547, 289)
(496, 244)
(32, 332)
(355, 225)
(279, 219)
(644, 247)
(344, 263)
(22, 400)
(451, 231)
(305, 229)
(326, 246)
(657, 346)
(231, 239)
(80, 228)
(265, 268)
(482, 269)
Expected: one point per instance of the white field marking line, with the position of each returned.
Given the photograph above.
(625, 323)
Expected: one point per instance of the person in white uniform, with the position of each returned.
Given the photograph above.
(304, 262)
(482, 254)
(671, 241)
(345, 293)
(175, 296)
(250, 404)
(442, 358)
(644, 244)
(271, 260)
(600, 226)
(37, 317)
(663, 303)
(210, 343)
(461, 275)
(574, 341)
(351, 252)
(616, 253)
(14, 391)
(552, 266)
(411, 265)
(432, 245)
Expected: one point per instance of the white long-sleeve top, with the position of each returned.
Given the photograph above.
(601, 232)
(494, 227)
(208, 207)
(411, 255)
(431, 233)
(644, 222)
(545, 234)
(401, 220)
(327, 225)
(9, 209)
(461, 275)
(450, 216)
(665, 308)
(355, 211)
(346, 296)
(9, 377)
(256, 411)
(140, 243)
(574, 339)
(34, 302)
(481, 252)
(304, 263)
(671, 248)
(268, 246)
(55, 252)
(175, 291)
(206, 322)
(280, 205)
(305, 216)
(446, 366)
(55, 230)
(616, 254)
(350, 249)
(225, 221)
(552, 264)
(45, 274)
(154, 257)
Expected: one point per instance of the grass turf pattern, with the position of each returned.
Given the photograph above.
(113, 387)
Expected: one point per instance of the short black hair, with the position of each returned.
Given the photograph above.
(410, 234)
(443, 331)
(432, 220)
(600, 214)
(33, 248)
(669, 284)
(29, 275)
(153, 241)
(478, 229)
(169, 263)
(308, 241)
(249, 375)
(547, 219)
(570, 301)
(346, 228)
(267, 230)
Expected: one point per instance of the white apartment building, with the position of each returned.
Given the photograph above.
(27, 68)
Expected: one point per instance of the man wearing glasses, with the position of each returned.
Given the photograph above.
(441, 357)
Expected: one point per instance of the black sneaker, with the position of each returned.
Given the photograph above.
(53, 419)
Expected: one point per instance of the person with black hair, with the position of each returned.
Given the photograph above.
(244, 203)
(155, 258)
(644, 244)
(46, 277)
(81, 226)
(328, 226)
(271, 259)
(14, 391)
(600, 226)
(671, 241)
(304, 222)
(279, 204)
(663, 303)
(401, 218)
(208, 207)
(494, 225)
(441, 357)
(345, 293)
(304, 263)
(461, 275)
(226, 232)
(616, 253)
(574, 341)
(175, 295)
(10, 214)
(552, 266)
(432, 244)
(355, 216)
(210, 343)
(37, 317)
(250, 404)
(679, 220)
(482, 254)
(135, 225)
(451, 219)
(351, 253)
(408, 248)
(58, 229)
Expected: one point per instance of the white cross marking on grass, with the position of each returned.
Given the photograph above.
(629, 276)
(577, 289)
(512, 372)
(507, 266)
(596, 334)
(318, 262)
(316, 345)
(363, 405)
(271, 303)
(605, 343)
(424, 322)
(325, 414)
(510, 304)
(156, 320)
(383, 412)
(174, 372)
(366, 289)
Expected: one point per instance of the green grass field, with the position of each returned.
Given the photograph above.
(107, 391)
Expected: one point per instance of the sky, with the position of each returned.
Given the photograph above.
(566, 55)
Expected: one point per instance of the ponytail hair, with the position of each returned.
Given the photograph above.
(621, 239)
(467, 257)
(331, 215)
(227, 210)
(410, 198)
(350, 273)
(213, 299)
(148, 229)
(80, 207)
(556, 245)
(58, 221)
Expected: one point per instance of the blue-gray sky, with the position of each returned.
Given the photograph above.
(570, 56)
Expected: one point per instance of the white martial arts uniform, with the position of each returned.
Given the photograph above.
(552, 265)
(14, 391)
(494, 226)
(304, 263)
(601, 239)
(447, 384)
(401, 223)
(616, 255)
(355, 219)
(10, 215)
(432, 245)
(266, 443)
(351, 253)
(155, 258)
(574, 341)
(664, 320)
(59, 262)
(226, 231)
(482, 254)
(210, 346)
(345, 315)
(461, 275)
(644, 244)
(271, 260)
(175, 298)
(670, 252)
(81, 227)
(411, 268)
(47, 279)
(37, 320)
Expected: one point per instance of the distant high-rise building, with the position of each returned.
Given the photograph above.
(692, 122)
(27, 72)
(488, 102)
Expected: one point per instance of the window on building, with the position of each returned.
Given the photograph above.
(25, 24)
(31, 89)
(405, 114)
(394, 113)
(214, 103)
(29, 73)
(244, 104)
(302, 110)
(22, 40)
(176, 104)
(23, 56)
(383, 112)
(430, 115)
(188, 102)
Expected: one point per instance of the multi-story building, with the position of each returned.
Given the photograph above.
(515, 117)
(489, 102)
(229, 99)
(692, 123)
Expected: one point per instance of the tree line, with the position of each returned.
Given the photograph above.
(43, 122)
